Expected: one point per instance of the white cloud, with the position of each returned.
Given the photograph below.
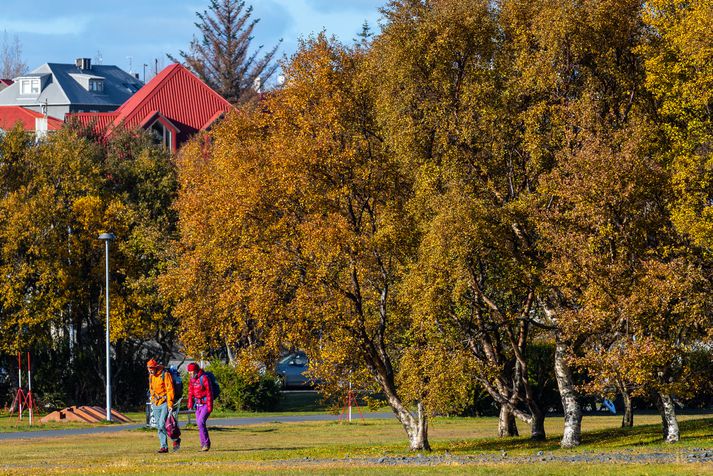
(73, 25)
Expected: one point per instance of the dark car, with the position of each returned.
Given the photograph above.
(291, 369)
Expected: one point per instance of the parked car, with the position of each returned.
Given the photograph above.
(291, 370)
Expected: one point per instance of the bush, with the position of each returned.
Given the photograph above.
(254, 392)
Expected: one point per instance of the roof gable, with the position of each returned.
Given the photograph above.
(180, 96)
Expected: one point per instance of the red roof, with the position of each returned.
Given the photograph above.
(99, 120)
(11, 115)
(177, 94)
(6, 82)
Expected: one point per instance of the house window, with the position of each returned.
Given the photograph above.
(162, 135)
(96, 85)
(30, 86)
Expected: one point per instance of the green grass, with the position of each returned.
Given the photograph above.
(333, 448)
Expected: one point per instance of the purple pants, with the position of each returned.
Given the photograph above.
(202, 414)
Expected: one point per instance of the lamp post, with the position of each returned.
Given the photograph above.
(106, 238)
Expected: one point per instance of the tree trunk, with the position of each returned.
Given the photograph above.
(416, 426)
(666, 407)
(507, 426)
(418, 438)
(231, 358)
(537, 427)
(570, 403)
(628, 420)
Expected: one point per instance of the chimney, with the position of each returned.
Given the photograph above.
(85, 64)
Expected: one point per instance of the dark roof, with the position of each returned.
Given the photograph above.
(118, 84)
(62, 87)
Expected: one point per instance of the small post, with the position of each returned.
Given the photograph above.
(29, 388)
(19, 381)
(349, 397)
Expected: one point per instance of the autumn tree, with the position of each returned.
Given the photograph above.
(640, 291)
(679, 74)
(57, 197)
(223, 56)
(575, 63)
(312, 247)
(227, 279)
(475, 280)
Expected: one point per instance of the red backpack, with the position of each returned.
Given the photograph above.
(172, 429)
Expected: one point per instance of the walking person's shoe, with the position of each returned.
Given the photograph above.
(162, 450)
(205, 448)
(176, 445)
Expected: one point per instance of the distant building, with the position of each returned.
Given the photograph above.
(57, 89)
(174, 105)
(30, 120)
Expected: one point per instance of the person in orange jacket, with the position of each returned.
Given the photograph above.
(162, 400)
(200, 396)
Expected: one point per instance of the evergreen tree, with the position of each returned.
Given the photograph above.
(222, 57)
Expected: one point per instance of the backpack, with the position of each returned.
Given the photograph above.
(177, 382)
(172, 429)
(214, 387)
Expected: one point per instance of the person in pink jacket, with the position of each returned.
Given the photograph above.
(200, 396)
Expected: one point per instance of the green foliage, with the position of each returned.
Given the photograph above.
(249, 392)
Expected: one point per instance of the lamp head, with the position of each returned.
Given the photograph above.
(107, 237)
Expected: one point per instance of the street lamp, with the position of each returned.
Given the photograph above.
(106, 238)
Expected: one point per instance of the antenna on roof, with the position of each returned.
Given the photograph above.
(99, 59)
(130, 58)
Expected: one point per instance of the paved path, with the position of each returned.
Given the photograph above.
(18, 435)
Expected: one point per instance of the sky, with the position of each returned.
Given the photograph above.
(131, 33)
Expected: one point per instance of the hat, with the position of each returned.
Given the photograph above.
(151, 364)
(193, 367)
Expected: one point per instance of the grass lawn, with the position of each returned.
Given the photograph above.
(333, 448)
(292, 403)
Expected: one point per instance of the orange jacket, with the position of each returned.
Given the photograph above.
(161, 387)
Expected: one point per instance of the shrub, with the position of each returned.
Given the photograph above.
(253, 392)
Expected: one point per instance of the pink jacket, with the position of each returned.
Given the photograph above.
(199, 391)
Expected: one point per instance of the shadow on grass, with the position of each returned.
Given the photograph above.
(692, 432)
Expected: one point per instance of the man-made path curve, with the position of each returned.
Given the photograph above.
(18, 435)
